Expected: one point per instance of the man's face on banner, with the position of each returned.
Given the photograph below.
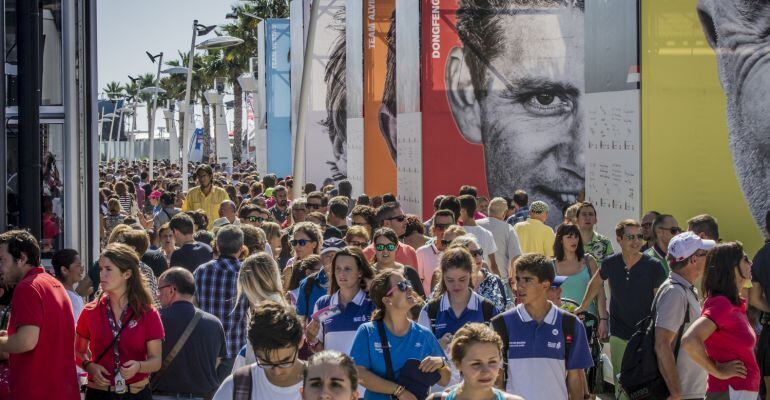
(738, 31)
(528, 114)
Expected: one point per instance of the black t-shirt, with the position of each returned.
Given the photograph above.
(631, 291)
(156, 260)
(760, 270)
(194, 367)
(191, 255)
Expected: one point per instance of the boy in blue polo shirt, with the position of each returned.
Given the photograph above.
(543, 344)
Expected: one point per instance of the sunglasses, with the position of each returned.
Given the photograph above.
(403, 287)
(256, 219)
(638, 236)
(313, 206)
(675, 230)
(399, 218)
(445, 242)
(283, 365)
(479, 252)
(646, 224)
(381, 247)
(440, 227)
(358, 244)
(300, 242)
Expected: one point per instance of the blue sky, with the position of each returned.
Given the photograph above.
(126, 29)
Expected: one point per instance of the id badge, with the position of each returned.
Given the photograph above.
(120, 384)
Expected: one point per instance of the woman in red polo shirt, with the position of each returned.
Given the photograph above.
(118, 336)
(722, 340)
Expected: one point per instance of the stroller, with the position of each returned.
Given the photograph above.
(594, 375)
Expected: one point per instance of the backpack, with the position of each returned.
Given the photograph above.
(640, 377)
(487, 311)
(568, 323)
(309, 289)
(242, 383)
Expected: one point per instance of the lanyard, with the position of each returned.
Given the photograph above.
(115, 327)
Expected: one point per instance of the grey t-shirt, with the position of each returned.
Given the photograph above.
(671, 307)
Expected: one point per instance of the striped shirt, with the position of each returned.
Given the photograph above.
(215, 283)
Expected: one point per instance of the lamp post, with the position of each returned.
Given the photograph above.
(210, 44)
(151, 128)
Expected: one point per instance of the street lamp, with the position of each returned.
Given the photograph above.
(154, 90)
(224, 41)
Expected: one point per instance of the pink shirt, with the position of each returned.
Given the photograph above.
(405, 254)
(733, 339)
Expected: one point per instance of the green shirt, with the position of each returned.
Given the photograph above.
(654, 253)
(600, 247)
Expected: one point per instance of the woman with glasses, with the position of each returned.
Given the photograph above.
(275, 335)
(483, 282)
(394, 296)
(357, 236)
(572, 262)
(722, 340)
(385, 244)
(454, 303)
(337, 315)
(167, 242)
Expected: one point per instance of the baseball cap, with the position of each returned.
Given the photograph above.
(269, 192)
(686, 244)
(155, 194)
(538, 207)
(332, 244)
(557, 281)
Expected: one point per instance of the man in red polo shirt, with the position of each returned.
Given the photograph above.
(41, 334)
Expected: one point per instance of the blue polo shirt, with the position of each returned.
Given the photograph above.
(418, 343)
(447, 321)
(338, 332)
(320, 288)
(536, 354)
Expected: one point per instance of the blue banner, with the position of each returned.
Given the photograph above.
(196, 146)
(278, 96)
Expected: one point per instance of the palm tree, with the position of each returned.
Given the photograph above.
(114, 90)
(132, 93)
(237, 58)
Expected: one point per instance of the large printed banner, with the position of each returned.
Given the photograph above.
(501, 91)
(278, 96)
(379, 96)
(503, 99)
(325, 135)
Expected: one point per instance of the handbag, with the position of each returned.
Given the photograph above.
(411, 378)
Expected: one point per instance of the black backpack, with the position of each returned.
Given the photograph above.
(640, 377)
(487, 310)
(568, 323)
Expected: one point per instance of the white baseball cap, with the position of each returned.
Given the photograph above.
(686, 244)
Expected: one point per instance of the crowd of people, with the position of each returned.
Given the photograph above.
(236, 290)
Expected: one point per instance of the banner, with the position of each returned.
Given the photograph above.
(354, 88)
(196, 146)
(379, 96)
(706, 150)
(278, 96)
(502, 87)
(325, 158)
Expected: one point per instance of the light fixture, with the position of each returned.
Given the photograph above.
(219, 42)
